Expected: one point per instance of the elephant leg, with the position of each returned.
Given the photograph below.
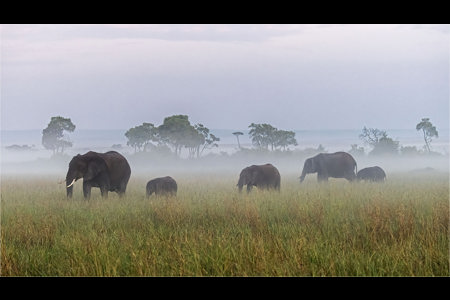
(249, 188)
(87, 190)
(277, 187)
(104, 192)
(322, 177)
(122, 190)
(350, 176)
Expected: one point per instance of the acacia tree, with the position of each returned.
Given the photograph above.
(262, 135)
(141, 136)
(177, 131)
(53, 135)
(379, 140)
(208, 139)
(265, 135)
(284, 138)
(429, 131)
(174, 131)
(193, 141)
(237, 134)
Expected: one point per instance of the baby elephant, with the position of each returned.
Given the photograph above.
(162, 186)
(371, 174)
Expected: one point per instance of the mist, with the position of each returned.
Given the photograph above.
(319, 80)
(216, 162)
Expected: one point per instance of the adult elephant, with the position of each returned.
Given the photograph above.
(108, 171)
(262, 176)
(162, 186)
(336, 165)
(375, 174)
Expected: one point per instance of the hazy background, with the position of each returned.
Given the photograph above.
(297, 76)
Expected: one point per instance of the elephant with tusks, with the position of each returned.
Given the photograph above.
(108, 171)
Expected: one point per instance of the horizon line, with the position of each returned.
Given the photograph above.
(231, 129)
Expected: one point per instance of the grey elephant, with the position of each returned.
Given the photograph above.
(262, 176)
(336, 165)
(108, 171)
(375, 174)
(162, 186)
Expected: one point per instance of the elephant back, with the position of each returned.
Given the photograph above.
(118, 166)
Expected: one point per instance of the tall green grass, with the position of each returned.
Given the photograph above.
(399, 228)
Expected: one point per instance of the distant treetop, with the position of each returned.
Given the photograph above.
(52, 136)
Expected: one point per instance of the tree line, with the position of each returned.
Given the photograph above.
(381, 143)
(176, 132)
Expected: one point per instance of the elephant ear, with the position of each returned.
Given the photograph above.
(94, 168)
(254, 177)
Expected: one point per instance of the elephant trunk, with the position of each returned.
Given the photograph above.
(240, 184)
(302, 176)
(70, 180)
(69, 190)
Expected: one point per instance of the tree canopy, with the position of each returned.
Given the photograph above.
(265, 135)
(141, 136)
(429, 131)
(379, 140)
(176, 132)
(237, 134)
(53, 135)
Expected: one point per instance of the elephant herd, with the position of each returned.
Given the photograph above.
(110, 171)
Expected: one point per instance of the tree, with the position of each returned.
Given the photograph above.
(141, 136)
(265, 135)
(284, 138)
(372, 136)
(177, 132)
(379, 140)
(237, 134)
(385, 145)
(193, 140)
(428, 130)
(174, 131)
(262, 135)
(52, 136)
(209, 140)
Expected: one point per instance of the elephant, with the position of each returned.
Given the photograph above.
(108, 171)
(336, 165)
(262, 176)
(162, 186)
(375, 174)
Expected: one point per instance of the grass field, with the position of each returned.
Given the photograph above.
(399, 228)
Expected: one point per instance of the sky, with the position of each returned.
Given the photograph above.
(225, 76)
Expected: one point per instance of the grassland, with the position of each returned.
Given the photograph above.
(399, 228)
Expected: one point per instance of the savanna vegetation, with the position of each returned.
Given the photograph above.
(399, 228)
(177, 133)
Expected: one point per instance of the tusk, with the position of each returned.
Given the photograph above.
(73, 181)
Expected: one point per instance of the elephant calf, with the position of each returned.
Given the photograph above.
(162, 186)
(375, 174)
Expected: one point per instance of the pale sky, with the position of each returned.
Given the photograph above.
(292, 76)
